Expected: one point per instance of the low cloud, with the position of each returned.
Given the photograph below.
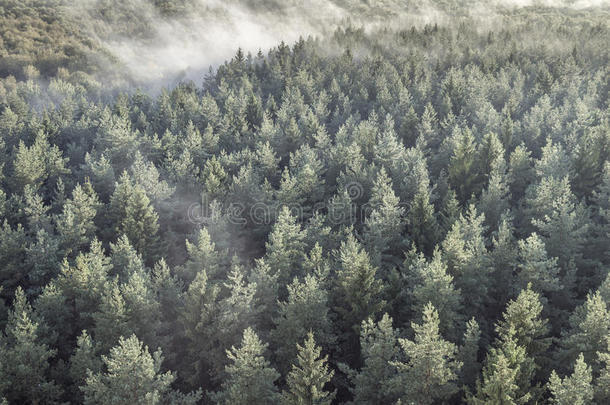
(185, 46)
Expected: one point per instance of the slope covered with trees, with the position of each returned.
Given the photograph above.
(411, 215)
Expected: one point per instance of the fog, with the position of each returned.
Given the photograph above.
(185, 46)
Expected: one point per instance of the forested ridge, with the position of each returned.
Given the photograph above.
(395, 215)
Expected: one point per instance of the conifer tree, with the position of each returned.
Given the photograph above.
(378, 347)
(462, 167)
(575, 389)
(202, 255)
(383, 227)
(506, 369)
(308, 377)
(132, 376)
(200, 307)
(24, 357)
(504, 261)
(421, 219)
(602, 384)
(305, 310)
(522, 322)
(76, 223)
(468, 353)
(82, 360)
(431, 284)
(467, 258)
(285, 247)
(250, 378)
(427, 355)
(589, 327)
(536, 267)
(357, 290)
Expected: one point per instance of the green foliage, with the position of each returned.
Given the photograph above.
(24, 358)
(436, 165)
(574, 389)
(307, 379)
(250, 378)
(427, 355)
(132, 376)
(378, 346)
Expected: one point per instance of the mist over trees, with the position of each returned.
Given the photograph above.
(413, 214)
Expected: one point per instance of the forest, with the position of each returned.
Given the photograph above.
(369, 214)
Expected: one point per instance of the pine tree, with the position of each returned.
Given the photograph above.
(357, 290)
(536, 267)
(76, 223)
(468, 353)
(307, 379)
(501, 382)
(504, 261)
(140, 224)
(24, 358)
(202, 255)
(427, 355)
(576, 389)
(250, 379)
(378, 347)
(306, 309)
(429, 283)
(462, 167)
(602, 384)
(83, 359)
(69, 301)
(132, 376)
(561, 222)
(522, 322)
(383, 227)
(467, 258)
(589, 327)
(135, 217)
(285, 247)
(421, 219)
(520, 171)
(125, 259)
(200, 308)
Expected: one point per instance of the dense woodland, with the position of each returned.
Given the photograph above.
(415, 215)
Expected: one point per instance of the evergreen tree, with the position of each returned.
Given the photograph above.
(132, 376)
(427, 355)
(422, 222)
(135, 217)
(462, 167)
(383, 227)
(285, 247)
(378, 347)
(305, 310)
(24, 358)
(430, 284)
(200, 307)
(468, 353)
(589, 327)
(250, 378)
(602, 384)
(357, 291)
(307, 379)
(522, 322)
(536, 267)
(202, 255)
(466, 256)
(76, 223)
(83, 359)
(575, 389)
(502, 379)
